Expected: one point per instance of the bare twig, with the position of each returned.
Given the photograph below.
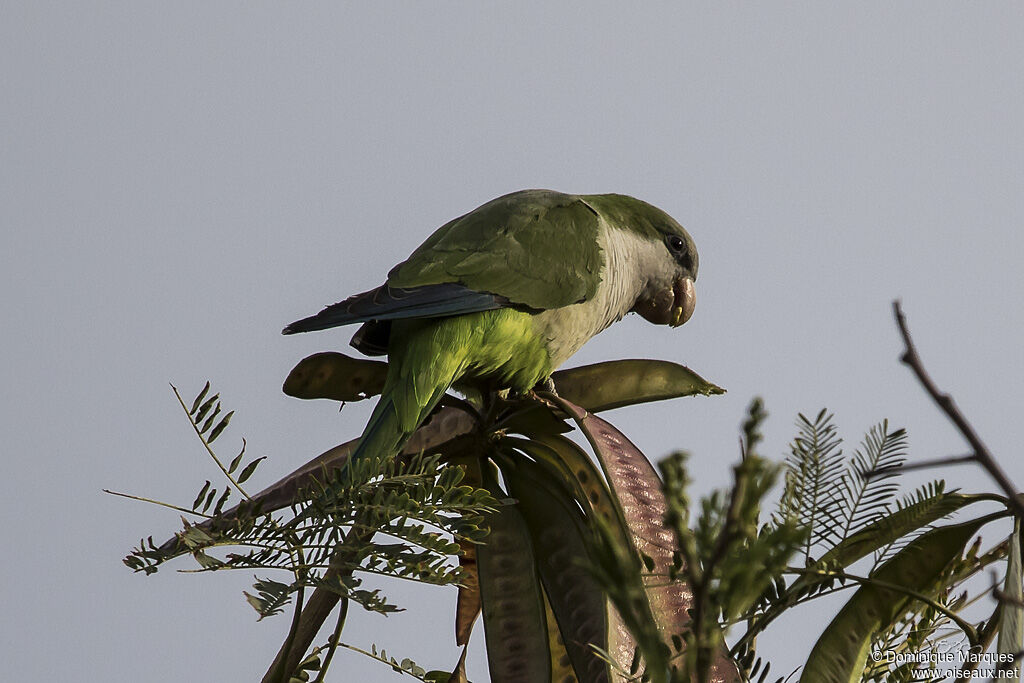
(945, 402)
(333, 643)
(924, 464)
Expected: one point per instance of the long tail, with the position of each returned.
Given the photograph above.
(403, 406)
(396, 303)
(426, 357)
(382, 436)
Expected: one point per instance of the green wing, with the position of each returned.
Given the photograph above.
(537, 248)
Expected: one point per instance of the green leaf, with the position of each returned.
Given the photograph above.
(199, 398)
(813, 481)
(335, 376)
(237, 459)
(202, 494)
(438, 676)
(311, 662)
(841, 652)
(923, 511)
(253, 601)
(617, 383)
(209, 499)
(249, 469)
(273, 596)
(204, 409)
(442, 432)
(207, 561)
(209, 421)
(221, 426)
(868, 485)
(1011, 620)
(220, 501)
(193, 536)
(894, 526)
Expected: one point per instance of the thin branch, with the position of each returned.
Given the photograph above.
(158, 502)
(945, 402)
(281, 664)
(316, 610)
(962, 624)
(335, 638)
(209, 449)
(293, 628)
(381, 660)
(1008, 599)
(907, 467)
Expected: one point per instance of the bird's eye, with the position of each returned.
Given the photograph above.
(675, 244)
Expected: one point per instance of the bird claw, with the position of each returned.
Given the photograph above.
(541, 391)
(547, 384)
(544, 386)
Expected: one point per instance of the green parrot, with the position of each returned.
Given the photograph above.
(502, 296)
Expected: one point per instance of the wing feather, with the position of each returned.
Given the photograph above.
(535, 248)
(394, 303)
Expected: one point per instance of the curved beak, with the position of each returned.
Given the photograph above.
(684, 301)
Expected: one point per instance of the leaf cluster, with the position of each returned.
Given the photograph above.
(525, 509)
(316, 663)
(834, 512)
(585, 564)
(423, 507)
(725, 555)
(851, 509)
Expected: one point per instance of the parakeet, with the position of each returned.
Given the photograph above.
(502, 296)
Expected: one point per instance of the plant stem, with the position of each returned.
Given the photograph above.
(945, 402)
(157, 502)
(965, 626)
(316, 610)
(342, 614)
(209, 450)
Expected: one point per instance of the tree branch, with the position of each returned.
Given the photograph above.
(981, 454)
(315, 612)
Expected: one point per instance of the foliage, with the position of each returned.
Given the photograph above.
(585, 563)
(912, 592)
(909, 601)
(330, 523)
(423, 507)
(727, 558)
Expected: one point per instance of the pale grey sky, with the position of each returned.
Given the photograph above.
(179, 181)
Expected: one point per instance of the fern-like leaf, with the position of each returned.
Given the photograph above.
(814, 472)
(915, 505)
(869, 484)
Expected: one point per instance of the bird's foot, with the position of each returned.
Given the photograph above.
(541, 391)
(548, 385)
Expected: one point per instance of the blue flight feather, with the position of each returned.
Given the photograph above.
(393, 303)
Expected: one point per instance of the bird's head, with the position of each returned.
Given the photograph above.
(669, 264)
(669, 296)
